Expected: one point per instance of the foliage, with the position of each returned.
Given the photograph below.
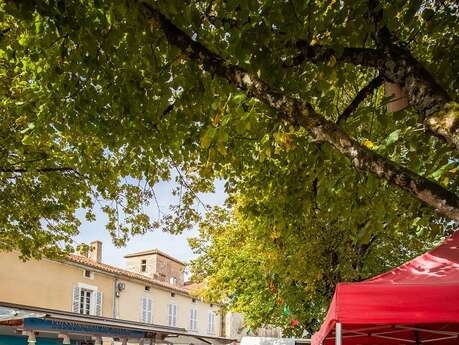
(99, 103)
(279, 248)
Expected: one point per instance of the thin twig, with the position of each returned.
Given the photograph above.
(41, 170)
(182, 178)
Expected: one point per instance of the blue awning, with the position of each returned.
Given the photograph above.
(68, 326)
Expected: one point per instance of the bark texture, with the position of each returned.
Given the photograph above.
(432, 102)
(397, 65)
(300, 113)
(357, 56)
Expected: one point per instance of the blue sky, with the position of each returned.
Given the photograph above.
(175, 245)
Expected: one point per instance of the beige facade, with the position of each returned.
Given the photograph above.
(158, 265)
(84, 285)
(49, 284)
(130, 306)
(150, 291)
(236, 329)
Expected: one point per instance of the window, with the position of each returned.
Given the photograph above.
(193, 300)
(173, 281)
(87, 300)
(147, 315)
(211, 322)
(143, 266)
(193, 319)
(88, 274)
(172, 312)
(147, 288)
(172, 294)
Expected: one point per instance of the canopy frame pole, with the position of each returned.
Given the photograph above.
(427, 330)
(338, 333)
(417, 338)
(438, 339)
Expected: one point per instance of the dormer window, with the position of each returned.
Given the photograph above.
(143, 266)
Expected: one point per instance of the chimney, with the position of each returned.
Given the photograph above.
(95, 251)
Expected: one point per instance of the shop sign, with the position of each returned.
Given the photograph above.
(70, 326)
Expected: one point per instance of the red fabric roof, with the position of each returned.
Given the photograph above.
(418, 300)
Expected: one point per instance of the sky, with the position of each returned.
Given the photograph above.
(174, 245)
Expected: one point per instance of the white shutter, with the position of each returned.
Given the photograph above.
(98, 303)
(149, 312)
(76, 300)
(193, 319)
(175, 314)
(211, 322)
(172, 311)
(146, 310)
(143, 314)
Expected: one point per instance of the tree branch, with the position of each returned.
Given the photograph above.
(300, 113)
(369, 88)
(40, 170)
(439, 113)
(318, 53)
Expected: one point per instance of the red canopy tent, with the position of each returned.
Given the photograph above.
(416, 303)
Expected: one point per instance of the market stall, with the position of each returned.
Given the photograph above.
(416, 303)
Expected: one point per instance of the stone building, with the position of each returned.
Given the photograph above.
(151, 292)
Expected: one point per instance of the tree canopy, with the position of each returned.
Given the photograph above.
(283, 100)
(283, 271)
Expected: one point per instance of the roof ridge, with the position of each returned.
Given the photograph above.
(155, 251)
(116, 270)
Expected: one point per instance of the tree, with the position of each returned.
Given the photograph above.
(278, 269)
(100, 100)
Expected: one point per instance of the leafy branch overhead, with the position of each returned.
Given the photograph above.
(300, 113)
(101, 101)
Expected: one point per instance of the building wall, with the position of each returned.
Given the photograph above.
(157, 266)
(48, 284)
(166, 269)
(129, 307)
(235, 328)
(133, 264)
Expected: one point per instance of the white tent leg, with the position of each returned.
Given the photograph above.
(338, 334)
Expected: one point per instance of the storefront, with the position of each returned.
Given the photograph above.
(23, 325)
(22, 340)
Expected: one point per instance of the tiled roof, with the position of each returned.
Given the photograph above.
(155, 251)
(124, 273)
(190, 286)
